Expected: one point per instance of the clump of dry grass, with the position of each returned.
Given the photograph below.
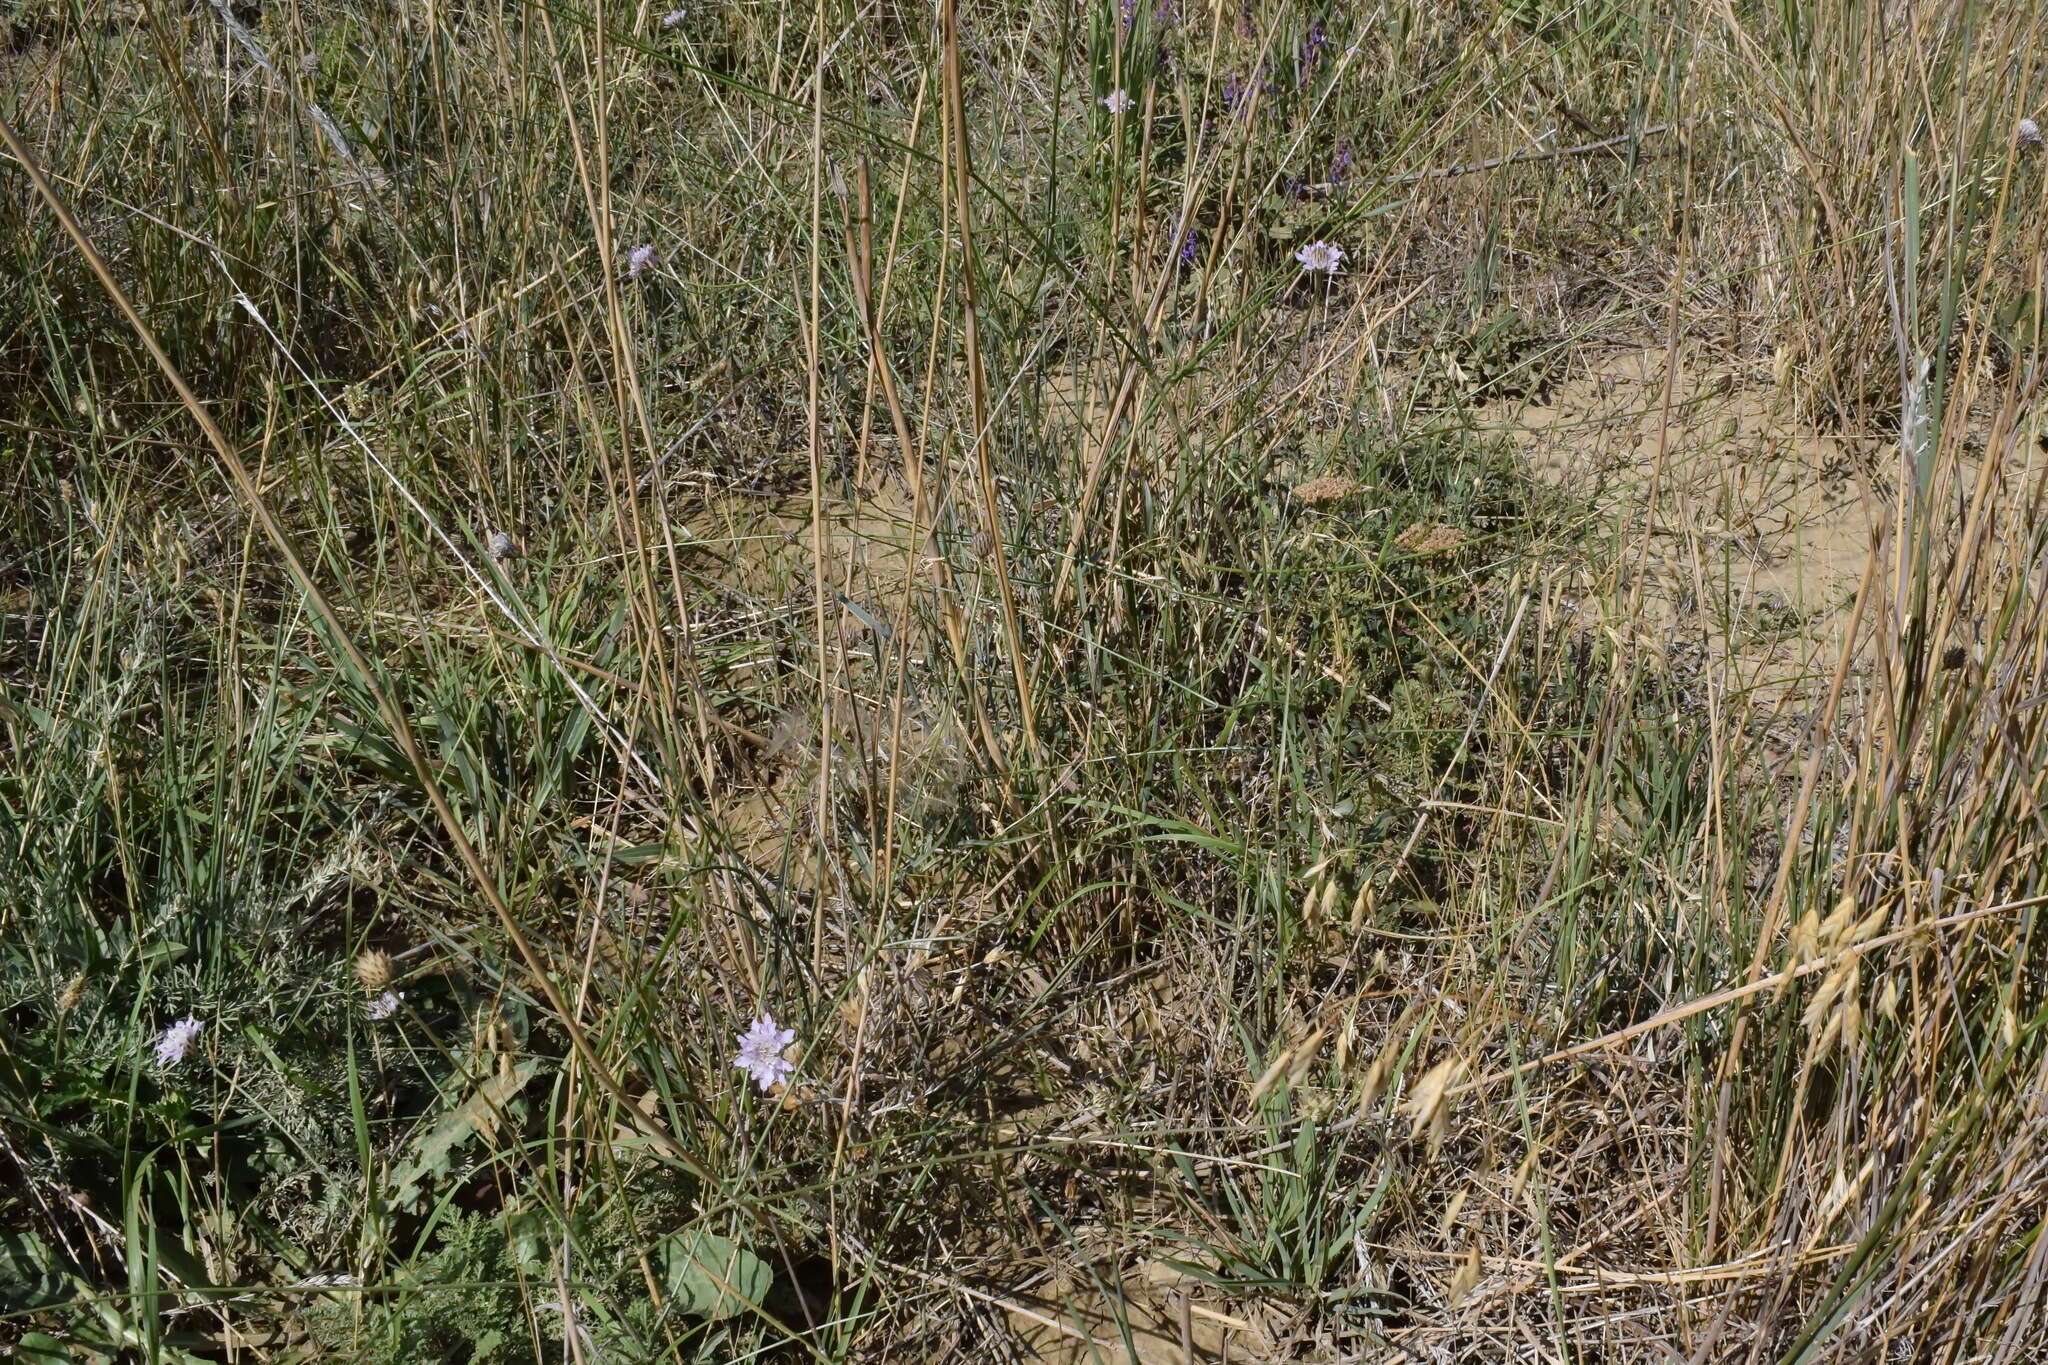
(1204, 930)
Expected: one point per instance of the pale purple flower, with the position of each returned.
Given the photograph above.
(1117, 100)
(639, 258)
(2028, 133)
(1340, 164)
(384, 1006)
(1312, 50)
(760, 1054)
(177, 1040)
(1190, 246)
(1321, 256)
(674, 17)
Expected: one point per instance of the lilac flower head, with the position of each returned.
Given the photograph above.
(1233, 92)
(1340, 164)
(2028, 133)
(384, 1006)
(1129, 11)
(674, 17)
(760, 1054)
(1117, 100)
(177, 1040)
(1163, 16)
(639, 258)
(1321, 256)
(1190, 247)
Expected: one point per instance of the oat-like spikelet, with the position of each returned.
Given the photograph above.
(67, 999)
(373, 969)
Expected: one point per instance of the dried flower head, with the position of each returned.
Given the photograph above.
(384, 1006)
(639, 259)
(2028, 134)
(1321, 256)
(74, 989)
(373, 969)
(502, 546)
(1117, 100)
(760, 1054)
(1330, 488)
(177, 1040)
(1426, 538)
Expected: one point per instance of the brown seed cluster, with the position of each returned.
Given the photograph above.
(1430, 538)
(1328, 489)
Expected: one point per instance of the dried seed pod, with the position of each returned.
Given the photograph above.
(502, 547)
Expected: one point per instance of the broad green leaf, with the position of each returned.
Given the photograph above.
(708, 1276)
